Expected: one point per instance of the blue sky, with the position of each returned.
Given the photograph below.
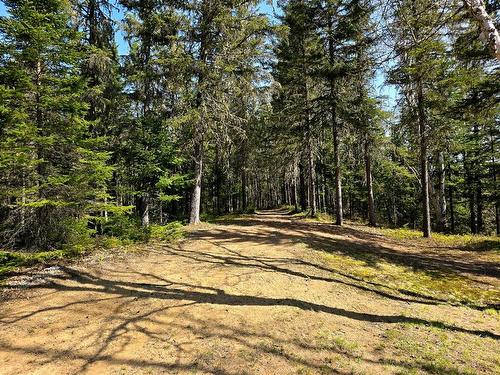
(381, 89)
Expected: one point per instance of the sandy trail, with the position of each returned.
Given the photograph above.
(246, 296)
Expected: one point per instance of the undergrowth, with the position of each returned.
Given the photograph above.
(116, 235)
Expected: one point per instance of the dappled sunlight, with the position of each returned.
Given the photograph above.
(211, 304)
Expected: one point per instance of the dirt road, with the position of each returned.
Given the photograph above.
(252, 295)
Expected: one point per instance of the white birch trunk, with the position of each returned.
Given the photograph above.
(489, 33)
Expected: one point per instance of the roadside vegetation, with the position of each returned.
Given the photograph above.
(120, 234)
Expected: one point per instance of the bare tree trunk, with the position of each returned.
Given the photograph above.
(477, 185)
(495, 187)
(218, 182)
(339, 219)
(143, 203)
(472, 209)
(441, 211)
(324, 190)
(452, 209)
(198, 172)
(194, 217)
(479, 205)
(244, 189)
(312, 178)
(372, 221)
(295, 188)
(489, 34)
(471, 194)
(303, 204)
(424, 167)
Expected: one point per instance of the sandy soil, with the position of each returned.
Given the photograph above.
(244, 296)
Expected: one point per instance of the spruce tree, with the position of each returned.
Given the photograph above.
(147, 151)
(52, 172)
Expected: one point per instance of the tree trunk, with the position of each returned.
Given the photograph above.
(218, 182)
(324, 190)
(198, 172)
(424, 167)
(441, 211)
(479, 205)
(489, 34)
(472, 209)
(312, 178)
(303, 203)
(452, 209)
(244, 189)
(471, 190)
(496, 198)
(372, 221)
(143, 206)
(295, 189)
(339, 219)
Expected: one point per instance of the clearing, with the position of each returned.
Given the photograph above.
(261, 294)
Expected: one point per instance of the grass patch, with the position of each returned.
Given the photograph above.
(434, 351)
(443, 284)
(459, 241)
(213, 218)
(447, 286)
(329, 340)
(12, 261)
(170, 232)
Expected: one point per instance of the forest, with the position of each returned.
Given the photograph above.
(366, 132)
(220, 107)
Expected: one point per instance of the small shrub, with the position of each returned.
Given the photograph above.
(170, 232)
(126, 227)
(108, 242)
(77, 236)
(10, 261)
(249, 210)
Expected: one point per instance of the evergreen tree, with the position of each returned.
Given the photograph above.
(417, 31)
(222, 38)
(148, 157)
(52, 173)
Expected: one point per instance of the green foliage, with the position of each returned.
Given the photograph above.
(465, 241)
(170, 232)
(94, 144)
(51, 172)
(11, 261)
(126, 227)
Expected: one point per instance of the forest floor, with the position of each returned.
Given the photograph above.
(262, 294)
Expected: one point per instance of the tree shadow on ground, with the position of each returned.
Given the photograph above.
(275, 228)
(174, 291)
(124, 290)
(368, 247)
(184, 295)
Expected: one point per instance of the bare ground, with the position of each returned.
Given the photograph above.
(256, 295)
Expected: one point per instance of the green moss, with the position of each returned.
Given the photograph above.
(108, 242)
(429, 350)
(467, 242)
(213, 218)
(448, 286)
